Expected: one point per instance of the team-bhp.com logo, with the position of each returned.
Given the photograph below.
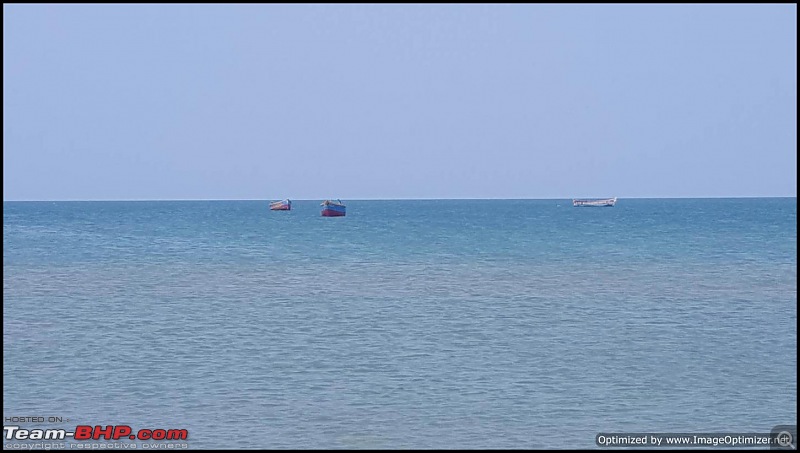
(86, 432)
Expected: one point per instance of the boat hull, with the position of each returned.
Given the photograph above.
(333, 211)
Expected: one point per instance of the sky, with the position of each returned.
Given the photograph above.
(359, 101)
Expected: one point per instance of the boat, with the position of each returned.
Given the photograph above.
(332, 208)
(283, 205)
(594, 202)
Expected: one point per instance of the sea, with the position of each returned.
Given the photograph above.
(406, 324)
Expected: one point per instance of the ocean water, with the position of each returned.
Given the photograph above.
(406, 324)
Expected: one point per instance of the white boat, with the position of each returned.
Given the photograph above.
(594, 202)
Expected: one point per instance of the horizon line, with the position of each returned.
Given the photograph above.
(386, 199)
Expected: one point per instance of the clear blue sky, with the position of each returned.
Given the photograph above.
(116, 101)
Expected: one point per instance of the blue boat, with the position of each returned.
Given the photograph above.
(333, 208)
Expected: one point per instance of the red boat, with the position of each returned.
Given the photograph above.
(283, 205)
(333, 208)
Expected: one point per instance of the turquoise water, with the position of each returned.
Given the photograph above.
(405, 324)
